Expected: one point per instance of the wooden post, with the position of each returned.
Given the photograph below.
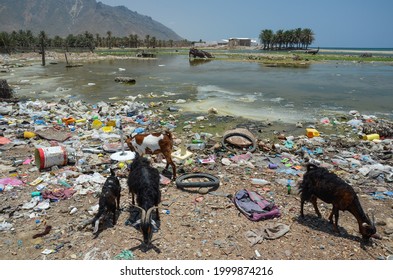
(65, 54)
(43, 52)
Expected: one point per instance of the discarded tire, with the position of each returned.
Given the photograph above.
(252, 140)
(213, 181)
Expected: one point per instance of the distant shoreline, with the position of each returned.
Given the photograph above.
(357, 51)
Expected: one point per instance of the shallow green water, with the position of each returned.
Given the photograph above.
(243, 89)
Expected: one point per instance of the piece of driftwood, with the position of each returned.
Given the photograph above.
(126, 80)
(74, 65)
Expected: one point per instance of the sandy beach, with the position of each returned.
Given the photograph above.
(356, 51)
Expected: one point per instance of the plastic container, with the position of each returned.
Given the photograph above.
(312, 132)
(28, 134)
(111, 123)
(107, 129)
(68, 121)
(272, 166)
(371, 137)
(96, 124)
(50, 156)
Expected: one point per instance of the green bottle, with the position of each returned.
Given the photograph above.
(289, 187)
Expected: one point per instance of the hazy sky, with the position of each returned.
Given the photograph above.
(335, 23)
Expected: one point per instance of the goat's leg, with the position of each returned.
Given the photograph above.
(118, 201)
(157, 214)
(335, 224)
(301, 207)
(331, 216)
(114, 216)
(133, 199)
(314, 203)
(174, 169)
(169, 161)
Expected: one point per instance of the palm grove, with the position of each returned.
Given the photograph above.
(286, 39)
(25, 40)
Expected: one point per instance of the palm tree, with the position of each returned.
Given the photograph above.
(153, 42)
(147, 41)
(58, 42)
(6, 42)
(266, 37)
(109, 39)
(98, 40)
(307, 37)
(89, 41)
(30, 38)
(280, 38)
(298, 37)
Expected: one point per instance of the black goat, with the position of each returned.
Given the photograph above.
(318, 182)
(144, 182)
(109, 199)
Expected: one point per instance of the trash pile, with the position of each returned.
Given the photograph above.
(54, 151)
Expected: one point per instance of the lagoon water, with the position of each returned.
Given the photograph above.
(246, 89)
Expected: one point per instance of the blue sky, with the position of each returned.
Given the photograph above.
(336, 23)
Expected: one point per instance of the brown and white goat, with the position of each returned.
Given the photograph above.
(318, 182)
(153, 143)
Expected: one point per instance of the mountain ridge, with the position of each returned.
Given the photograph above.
(64, 17)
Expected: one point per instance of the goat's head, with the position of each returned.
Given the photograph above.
(147, 224)
(368, 229)
(129, 143)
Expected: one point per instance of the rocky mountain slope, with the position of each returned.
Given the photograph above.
(66, 17)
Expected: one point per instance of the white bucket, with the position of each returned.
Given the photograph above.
(50, 156)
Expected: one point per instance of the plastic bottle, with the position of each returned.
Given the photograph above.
(289, 187)
(257, 181)
(337, 161)
(62, 181)
(371, 137)
(33, 194)
(17, 162)
(196, 146)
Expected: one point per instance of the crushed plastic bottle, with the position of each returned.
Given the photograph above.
(196, 146)
(4, 226)
(257, 181)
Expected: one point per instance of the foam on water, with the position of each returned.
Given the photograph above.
(251, 106)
